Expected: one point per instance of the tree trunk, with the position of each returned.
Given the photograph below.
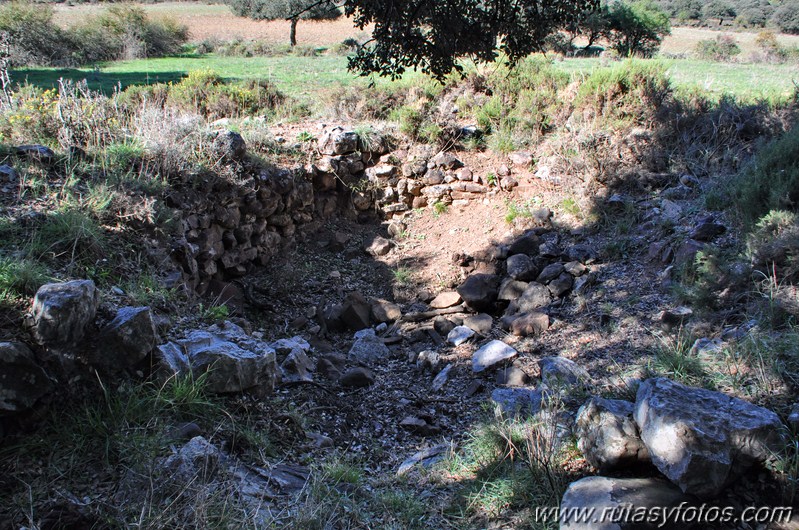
(293, 33)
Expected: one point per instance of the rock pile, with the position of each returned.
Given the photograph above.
(701, 440)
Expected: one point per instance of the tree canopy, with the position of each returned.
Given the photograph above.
(293, 10)
(432, 35)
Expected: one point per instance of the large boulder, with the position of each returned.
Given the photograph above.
(603, 503)
(61, 312)
(479, 291)
(127, 339)
(22, 381)
(232, 360)
(608, 435)
(700, 439)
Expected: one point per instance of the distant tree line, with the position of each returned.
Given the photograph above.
(779, 14)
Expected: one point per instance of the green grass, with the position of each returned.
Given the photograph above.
(403, 275)
(304, 77)
(123, 428)
(747, 81)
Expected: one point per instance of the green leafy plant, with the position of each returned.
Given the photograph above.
(305, 136)
(403, 275)
(214, 313)
(440, 208)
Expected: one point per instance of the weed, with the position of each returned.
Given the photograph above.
(408, 119)
(71, 233)
(511, 464)
(214, 313)
(147, 289)
(440, 208)
(570, 205)
(20, 277)
(673, 358)
(524, 210)
(403, 275)
(305, 136)
(369, 140)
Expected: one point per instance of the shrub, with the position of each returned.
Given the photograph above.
(718, 9)
(125, 32)
(637, 28)
(35, 39)
(629, 92)
(206, 93)
(787, 18)
(722, 48)
(122, 32)
(771, 180)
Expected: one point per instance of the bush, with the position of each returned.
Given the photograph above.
(205, 93)
(123, 32)
(35, 39)
(718, 9)
(787, 18)
(722, 48)
(771, 180)
(637, 28)
(630, 92)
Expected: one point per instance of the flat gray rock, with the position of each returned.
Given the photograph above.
(441, 378)
(560, 372)
(459, 335)
(610, 496)
(425, 458)
(521, 401)
(492, 353)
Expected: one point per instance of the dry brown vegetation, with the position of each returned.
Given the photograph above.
(215, 21)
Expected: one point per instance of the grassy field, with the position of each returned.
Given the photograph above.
(304, 77)
(746, 81)
(299, 76)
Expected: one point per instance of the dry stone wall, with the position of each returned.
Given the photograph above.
(231, 225)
